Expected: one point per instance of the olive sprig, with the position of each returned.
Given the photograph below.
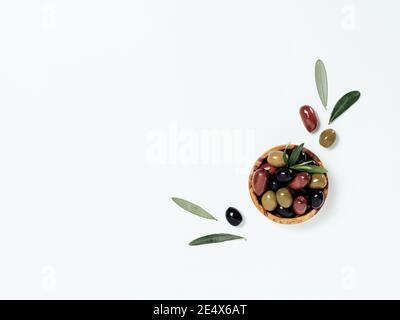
(294, 156)
(304, 166)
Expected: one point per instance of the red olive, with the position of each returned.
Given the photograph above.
(309, 118)
(260, 181)
(300, 181)
(269, 168)
(300, 205)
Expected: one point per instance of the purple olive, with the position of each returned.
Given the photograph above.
(260, 181)
(300, 181)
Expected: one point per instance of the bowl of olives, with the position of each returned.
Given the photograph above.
(288, 184)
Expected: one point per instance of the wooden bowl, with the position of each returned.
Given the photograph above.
(257, 202)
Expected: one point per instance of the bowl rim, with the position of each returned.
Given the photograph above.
(270, 215)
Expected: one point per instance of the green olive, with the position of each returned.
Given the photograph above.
(318, 181)
(284, 197)
(327, 138)
(268, 201)
(275, 158)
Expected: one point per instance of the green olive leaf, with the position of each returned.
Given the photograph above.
(295, 155)
(215, 238)
(193, 208)
(285, 156)
(302, 164)
(343, 104)
(309, 168)
(321, 81)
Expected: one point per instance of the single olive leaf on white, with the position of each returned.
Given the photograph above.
(215, 238)
(193, 208)
(321, 80)
(343, 104)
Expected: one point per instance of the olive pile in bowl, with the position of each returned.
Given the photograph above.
(288, 184)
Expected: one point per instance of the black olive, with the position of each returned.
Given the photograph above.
(302, 158)
(301, 192)
(285, 212)
(273, 183)
(233, 216)
(284, 175)
(316, 198)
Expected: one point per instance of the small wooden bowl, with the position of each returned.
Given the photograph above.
(257, 202)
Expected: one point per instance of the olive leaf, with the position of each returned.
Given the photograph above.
(193, 208)
(285, 155)
(309, 168)
(343, 104)
(215, 238)
(295, 155)
(321, 81)
(302, 164)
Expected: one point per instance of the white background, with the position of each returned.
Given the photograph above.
(103, 105)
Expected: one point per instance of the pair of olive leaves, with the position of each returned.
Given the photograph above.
(343, 103)
(199, 211)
